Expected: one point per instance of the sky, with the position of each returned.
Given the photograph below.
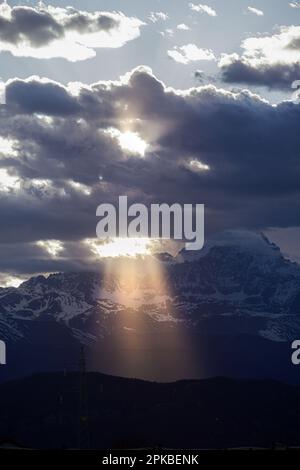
(164, 101)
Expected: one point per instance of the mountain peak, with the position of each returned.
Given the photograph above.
(240, 240)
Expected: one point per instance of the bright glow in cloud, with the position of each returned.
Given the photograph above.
(81, 188)
(12, 281)
(295, 4)
(190, 53)
(129, 247)
(52, 247)
(255, 11)
(198, 166)
(7, 181)
(7, 146)
(129, 141)
(203, 9)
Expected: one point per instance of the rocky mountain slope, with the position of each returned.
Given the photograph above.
(238, 285)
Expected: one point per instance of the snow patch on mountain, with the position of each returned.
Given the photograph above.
(240, 280)
(239, 240)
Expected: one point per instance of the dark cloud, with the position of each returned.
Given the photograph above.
(267, 60)
(23, 259)
(32, 96)
(46, 31)
(272, 76)
(62, 145)
(85, 23)
(37, 27)
(41, 26)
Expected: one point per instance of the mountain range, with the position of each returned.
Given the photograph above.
(230, 309)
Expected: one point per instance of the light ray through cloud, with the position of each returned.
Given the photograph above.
(144, 304)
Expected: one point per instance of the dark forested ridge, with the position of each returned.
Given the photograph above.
(43, 411)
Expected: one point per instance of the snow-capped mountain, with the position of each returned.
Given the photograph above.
(239, 285)
(243, 275)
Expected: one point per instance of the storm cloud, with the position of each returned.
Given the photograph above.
(62, 156)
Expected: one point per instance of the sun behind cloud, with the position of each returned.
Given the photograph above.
(129, 141)
(118, 247)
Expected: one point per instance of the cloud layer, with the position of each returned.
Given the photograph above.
(190, 53)
(200, 8)
(46, 32)
(255, 11)
(272, 61)
(59, 159)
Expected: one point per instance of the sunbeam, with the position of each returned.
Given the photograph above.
(148, 337)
